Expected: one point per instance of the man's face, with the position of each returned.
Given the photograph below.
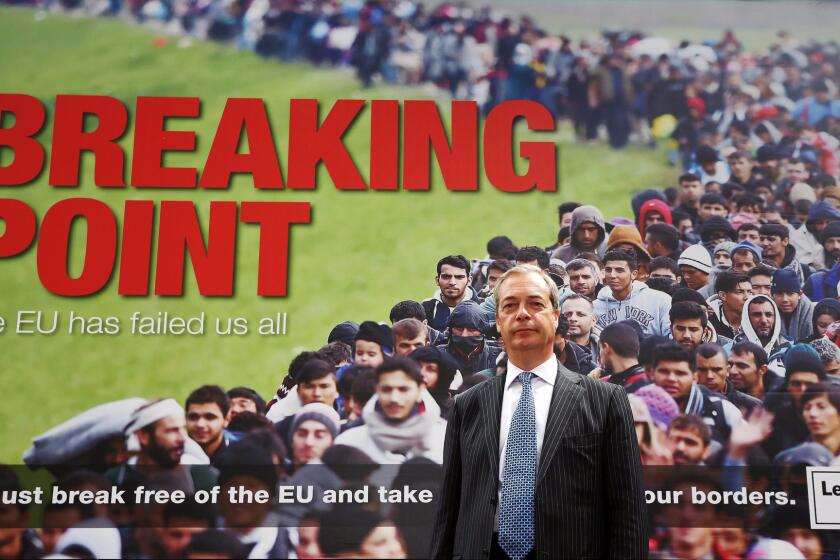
(743, 261)
(165, 442)
(685, 226)
(368, 353)
(321, 390)
(405, 346)
(821, 417)
(734, 301)
(744, 373)
(741, 167)
(762, 318)
(309, 441)
(452, 282)
(694, 279)
(431, 374)
(690, 192)
(241, 404)
(398, 394)
(205, 423)
(690, 542)
(722, 258)
(382, 542)
(712, 372)
(493, 276)
(465, 331)
(586, 236)
(663, 273)
(688, 446)
(832, 247)
(525, 316)
(787, 301)
(676, 378)
(653, 217)
(688, 332)
(708, 210)
(583, 282)
(618, 276)
(566, 220)
(749, 235)
(797, 173)
(805, 540)
(773, 246)
(798, 383)
(308, 547)
(761, 285)
(580, 316)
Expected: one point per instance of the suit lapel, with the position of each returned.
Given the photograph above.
(491, 407)
(564, 401)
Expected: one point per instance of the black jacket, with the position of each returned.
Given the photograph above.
(589, 496)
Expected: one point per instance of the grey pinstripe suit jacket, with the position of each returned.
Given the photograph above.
(589, 497)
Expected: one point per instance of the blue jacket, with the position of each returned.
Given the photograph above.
(823, 284)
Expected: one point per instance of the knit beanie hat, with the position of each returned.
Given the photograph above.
(802, 191)
(749, 246)
(696, 256)
(379, 333)
(785, 280)
(344, 332)
(803, 358)
(319, 412)
(831, 230)
(662, 407)
(727, 246)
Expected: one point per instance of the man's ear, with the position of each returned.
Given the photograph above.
(762, 370)
(633, 274)
(143, 437)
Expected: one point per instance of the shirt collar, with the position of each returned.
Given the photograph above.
(547, 371)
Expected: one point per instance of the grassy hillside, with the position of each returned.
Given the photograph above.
(362, 253)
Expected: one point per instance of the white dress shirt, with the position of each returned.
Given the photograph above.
(542, 386)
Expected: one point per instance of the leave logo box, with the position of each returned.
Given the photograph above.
(824, 497)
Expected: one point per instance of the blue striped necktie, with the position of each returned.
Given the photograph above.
(516, 510)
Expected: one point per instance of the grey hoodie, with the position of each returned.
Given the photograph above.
(646, 306)
(801, 325)
(581, 215)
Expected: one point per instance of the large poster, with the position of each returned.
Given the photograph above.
(221, 218)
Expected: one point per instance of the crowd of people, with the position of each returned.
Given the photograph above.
(628, 84)
(716, 308)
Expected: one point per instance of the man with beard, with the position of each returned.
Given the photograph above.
(762, 325)
(690, 192)
(619, 357)
(588, 232)
(467, 345)
(578, 311)
(713, 372)
(453, 278)
(674, 371)
(207, 417)
(690, 439)
(796, 309)
(823, 284)
(160, 429)
(688, 323)
(748, 370)
(584, 277)
(573, 356)
(733, 289)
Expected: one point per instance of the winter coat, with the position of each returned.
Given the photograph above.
(646, 306)
(822, 285)
(437, 312)
(581, 215)
(791, 262)
(804, 239)
(777, 343)
(799, 325)
(653, 205)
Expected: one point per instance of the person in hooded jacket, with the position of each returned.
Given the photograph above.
(824, 284)
(795, 308)
(467, 344)
(653, 211)
(761, 323)
(588, 232)
(807, 238)
(826, 311)
(803, 368)
(777, 250)
(625, 298)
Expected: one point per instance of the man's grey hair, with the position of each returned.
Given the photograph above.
(827, 350)
(577, 264)
(519, 269)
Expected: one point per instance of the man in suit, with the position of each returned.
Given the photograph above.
(540, 462)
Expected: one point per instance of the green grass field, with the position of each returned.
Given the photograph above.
(362, 253)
